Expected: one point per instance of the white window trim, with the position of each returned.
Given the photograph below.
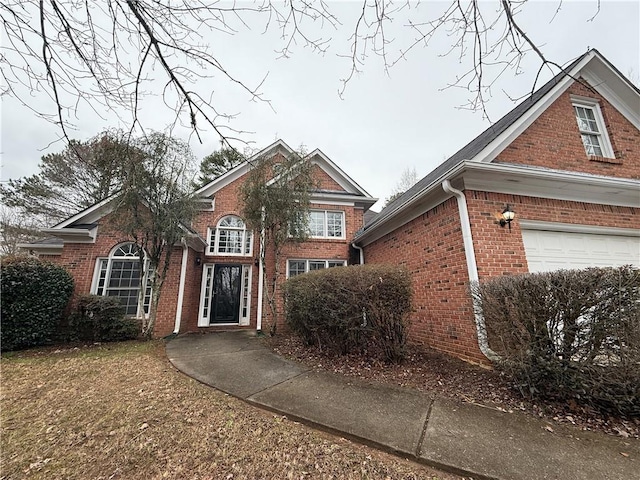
(607, 148)
(245, 320)
(96, 278)
(215, 251)
(202, 320)
(307, 260)
(326, 225)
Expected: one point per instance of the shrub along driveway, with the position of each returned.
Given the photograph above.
(122, 411)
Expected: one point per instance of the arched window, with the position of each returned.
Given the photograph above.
(230, 237)
(119, 276)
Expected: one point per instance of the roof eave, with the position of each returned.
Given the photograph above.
(42, 249)
(531, 181)
(73, 235)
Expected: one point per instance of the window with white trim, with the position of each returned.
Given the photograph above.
(592, 129)
(326, 224)
(119, 276)
(298, 267)
(230, 237)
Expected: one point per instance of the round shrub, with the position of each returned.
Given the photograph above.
(34, 296)
(349, 309)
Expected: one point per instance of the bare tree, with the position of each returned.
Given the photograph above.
(14, 230)
(408, 178)
(107, 53)
(275, 200)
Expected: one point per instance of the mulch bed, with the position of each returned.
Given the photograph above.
(435, 373)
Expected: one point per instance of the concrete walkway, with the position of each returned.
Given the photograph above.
(457, 437)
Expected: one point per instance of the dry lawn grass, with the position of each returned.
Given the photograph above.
(122, 411)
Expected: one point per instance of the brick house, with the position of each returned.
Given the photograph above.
(214, 280)
(565, 162)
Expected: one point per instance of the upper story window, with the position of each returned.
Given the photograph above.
(230, 237)
(119, 276)
(592, 129)
(326, 224)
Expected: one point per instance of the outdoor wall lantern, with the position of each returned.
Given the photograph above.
(507, 216)
(198, 261)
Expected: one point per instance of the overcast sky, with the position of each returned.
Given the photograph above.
(384, 123)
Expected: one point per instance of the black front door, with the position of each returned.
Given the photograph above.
(226, 294)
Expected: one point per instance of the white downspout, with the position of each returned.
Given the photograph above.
(183, 276)
(472, 268)
(361, 252)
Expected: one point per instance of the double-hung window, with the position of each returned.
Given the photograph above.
(326, 224)
(230, 237)
(298, 267)
(592, 129)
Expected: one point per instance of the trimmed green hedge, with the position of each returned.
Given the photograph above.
(348, 309)
(569, 334)
(102, 319)
(34, 296)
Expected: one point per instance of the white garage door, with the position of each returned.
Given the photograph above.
(552, 250)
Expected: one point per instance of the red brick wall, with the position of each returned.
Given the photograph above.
(325, 182)
(432, 249)
(80, 260)
(501, 252)
(167, 308)
(227, 203)
(553, 140)
(192, 287)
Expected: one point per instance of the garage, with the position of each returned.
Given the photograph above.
(551, 247)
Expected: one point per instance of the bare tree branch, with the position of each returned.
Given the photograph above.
(105, 54)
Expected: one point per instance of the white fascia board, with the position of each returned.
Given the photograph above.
(431, 199)
(432, 195)
(73, 235)
(341, 199)
(404, 211)
(43, 249)
(556, 184)
(195, 242)
(603, 87)
(600, 76)
(240, 169)
(223, 180)
(491, 151)
(91, 211)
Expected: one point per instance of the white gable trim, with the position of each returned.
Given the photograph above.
(336, 173)
(491, 151)
(240, 169)
(604, 89)
(98, 210)
(591, 63)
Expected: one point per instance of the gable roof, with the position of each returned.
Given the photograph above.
(351, 188)
(486, 146)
